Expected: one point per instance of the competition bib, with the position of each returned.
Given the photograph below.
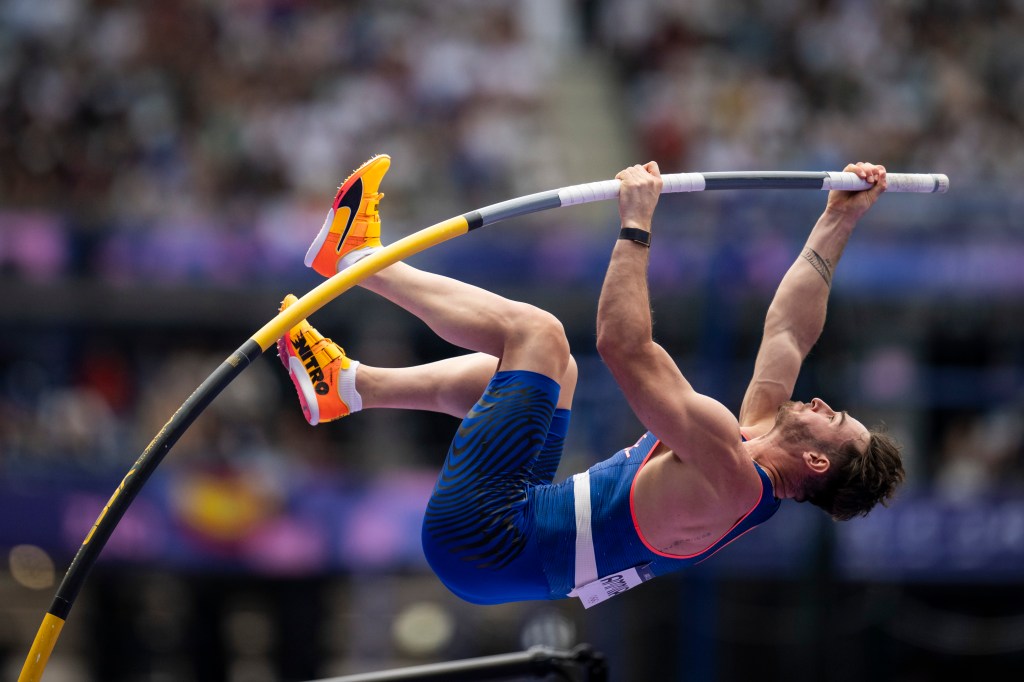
(607, 587)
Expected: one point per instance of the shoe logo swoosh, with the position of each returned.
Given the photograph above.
(350, 201)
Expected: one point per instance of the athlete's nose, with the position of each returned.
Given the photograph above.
(819, 405)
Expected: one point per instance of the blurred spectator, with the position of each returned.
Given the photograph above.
(979, 455)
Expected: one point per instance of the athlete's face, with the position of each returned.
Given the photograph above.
(818, 421)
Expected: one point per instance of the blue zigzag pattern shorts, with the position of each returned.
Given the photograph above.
(478, 528)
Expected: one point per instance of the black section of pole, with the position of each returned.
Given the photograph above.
(141, 471)
(473, 220)
(764, 180)
(581, 664)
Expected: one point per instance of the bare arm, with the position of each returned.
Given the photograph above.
(796, 316)
(659, 394)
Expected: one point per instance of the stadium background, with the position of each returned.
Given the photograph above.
(164, 164)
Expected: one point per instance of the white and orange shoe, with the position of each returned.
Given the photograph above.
(324, 377)
(352, 228)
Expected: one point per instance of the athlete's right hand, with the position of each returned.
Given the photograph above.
(639, 194)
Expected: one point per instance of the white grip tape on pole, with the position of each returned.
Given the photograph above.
(897, 182)
(591, 191)
(609, 189)
(682, 182)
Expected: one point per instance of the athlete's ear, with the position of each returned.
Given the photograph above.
(816, 462)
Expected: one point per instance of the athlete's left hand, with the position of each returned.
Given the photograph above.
(856, 204)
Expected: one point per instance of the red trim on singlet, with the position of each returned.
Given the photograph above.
(636, 526)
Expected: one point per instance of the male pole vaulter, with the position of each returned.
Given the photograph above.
(497, 529)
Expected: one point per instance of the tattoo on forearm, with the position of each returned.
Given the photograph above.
(822, 265)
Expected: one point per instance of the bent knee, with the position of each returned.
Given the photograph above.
(536, 341)
(547, 331)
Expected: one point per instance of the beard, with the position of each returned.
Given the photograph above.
(790, 431)
(784, 417)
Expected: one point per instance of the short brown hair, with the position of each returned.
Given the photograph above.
(856, 482)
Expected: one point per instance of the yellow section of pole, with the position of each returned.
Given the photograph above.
(353, 275)
(42, 647)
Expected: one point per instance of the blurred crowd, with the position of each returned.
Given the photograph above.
(140, 110)
(195, 142)
(142, 130)
(935, 84)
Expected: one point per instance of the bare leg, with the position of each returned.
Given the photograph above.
(451, 386)
(521, 336)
